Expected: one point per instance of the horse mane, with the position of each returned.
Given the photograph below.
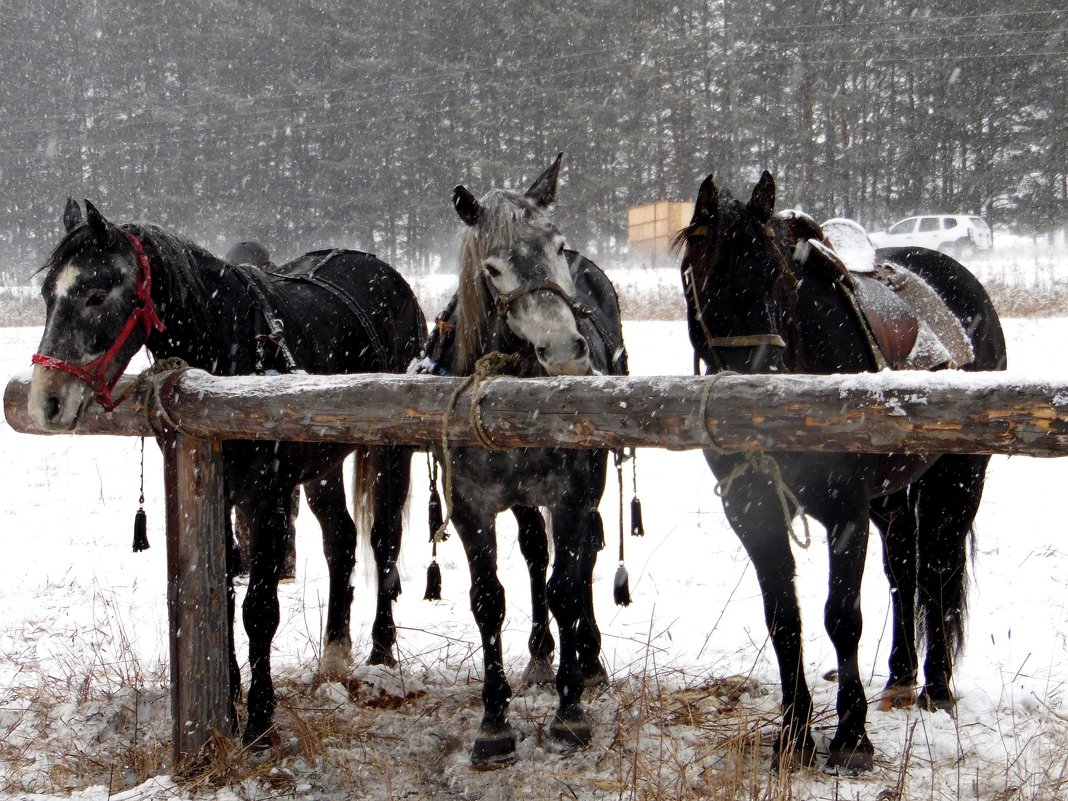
(504, 214)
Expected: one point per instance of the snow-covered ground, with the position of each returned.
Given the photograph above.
(83, 636)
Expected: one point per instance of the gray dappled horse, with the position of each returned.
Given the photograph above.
(549, 312)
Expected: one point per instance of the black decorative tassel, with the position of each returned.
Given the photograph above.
(434, 511)
(433, 582)
(637, 529)
(140, 541)
(621, 586)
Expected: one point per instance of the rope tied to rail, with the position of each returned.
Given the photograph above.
(148, 385)
(487, 368)
(758, 461)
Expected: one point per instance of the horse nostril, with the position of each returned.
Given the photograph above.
(580, 347)
(51, 407)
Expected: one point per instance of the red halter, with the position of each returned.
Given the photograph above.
(144, 313)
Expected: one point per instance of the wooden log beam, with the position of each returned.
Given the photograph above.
(948, 412)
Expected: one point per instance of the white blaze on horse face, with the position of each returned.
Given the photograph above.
(56, 398)
(65, 280)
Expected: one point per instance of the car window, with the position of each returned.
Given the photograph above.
(949, 222)
(978, 222)
(928, 224)
(903, 227)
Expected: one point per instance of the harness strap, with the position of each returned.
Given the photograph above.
(257, 287)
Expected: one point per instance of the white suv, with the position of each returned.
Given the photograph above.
(955, 234)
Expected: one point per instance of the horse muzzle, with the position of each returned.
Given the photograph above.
(56, 400)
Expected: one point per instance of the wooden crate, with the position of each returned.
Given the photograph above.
(651, 226)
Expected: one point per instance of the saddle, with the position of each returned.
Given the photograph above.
(908, 325)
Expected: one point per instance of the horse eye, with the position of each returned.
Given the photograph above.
(560, 250)
(96, 297)
(492, 271)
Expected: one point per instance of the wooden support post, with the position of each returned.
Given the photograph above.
(196, 597)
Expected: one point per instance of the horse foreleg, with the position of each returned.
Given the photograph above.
(847, 540)
(495, 742)
(757, 519)
(326, 498)
(896, 521)
(534, 545)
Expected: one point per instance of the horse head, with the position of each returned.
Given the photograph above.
(737, 279)
(99, 312)
(516, 290)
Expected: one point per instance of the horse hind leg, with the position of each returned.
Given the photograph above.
(850, 749)
(947, 502)
(268, 517)
(895, 519)
(326, 498)
(534, 545)
(382, 480)
(571, 521)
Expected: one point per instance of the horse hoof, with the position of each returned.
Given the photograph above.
(258, 743)
(846, 761)
(539, 673)
(572, 731)
(929, 703)
(335, 662)
(787, 760)
(381, 656)
(494, 750)
(596, 676)
(897, 697)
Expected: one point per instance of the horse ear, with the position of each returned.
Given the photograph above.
(105, 233)
(72, 215)
(466, 205)
(762, 203)
(707, 200)
(543, 190)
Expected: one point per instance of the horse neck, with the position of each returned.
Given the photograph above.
(202, 305)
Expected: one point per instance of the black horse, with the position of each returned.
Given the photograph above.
(109, 290)
(753, 308)
(543, 310)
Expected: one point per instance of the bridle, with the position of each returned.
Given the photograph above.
(503, 302)
(144, 313)
(739, 341)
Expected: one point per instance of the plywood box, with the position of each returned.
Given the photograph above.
(650, 227)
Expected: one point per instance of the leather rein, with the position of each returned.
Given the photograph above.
(144, 314)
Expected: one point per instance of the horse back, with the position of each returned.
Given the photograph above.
(963, 295)
(347, 311)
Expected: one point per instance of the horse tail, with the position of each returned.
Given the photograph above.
(364, 469)
(381, 478)
(942, 589)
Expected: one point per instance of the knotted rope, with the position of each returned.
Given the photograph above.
(486, 369)
(758, 461)
(148, 385)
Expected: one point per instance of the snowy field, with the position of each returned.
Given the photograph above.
(83, 643)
